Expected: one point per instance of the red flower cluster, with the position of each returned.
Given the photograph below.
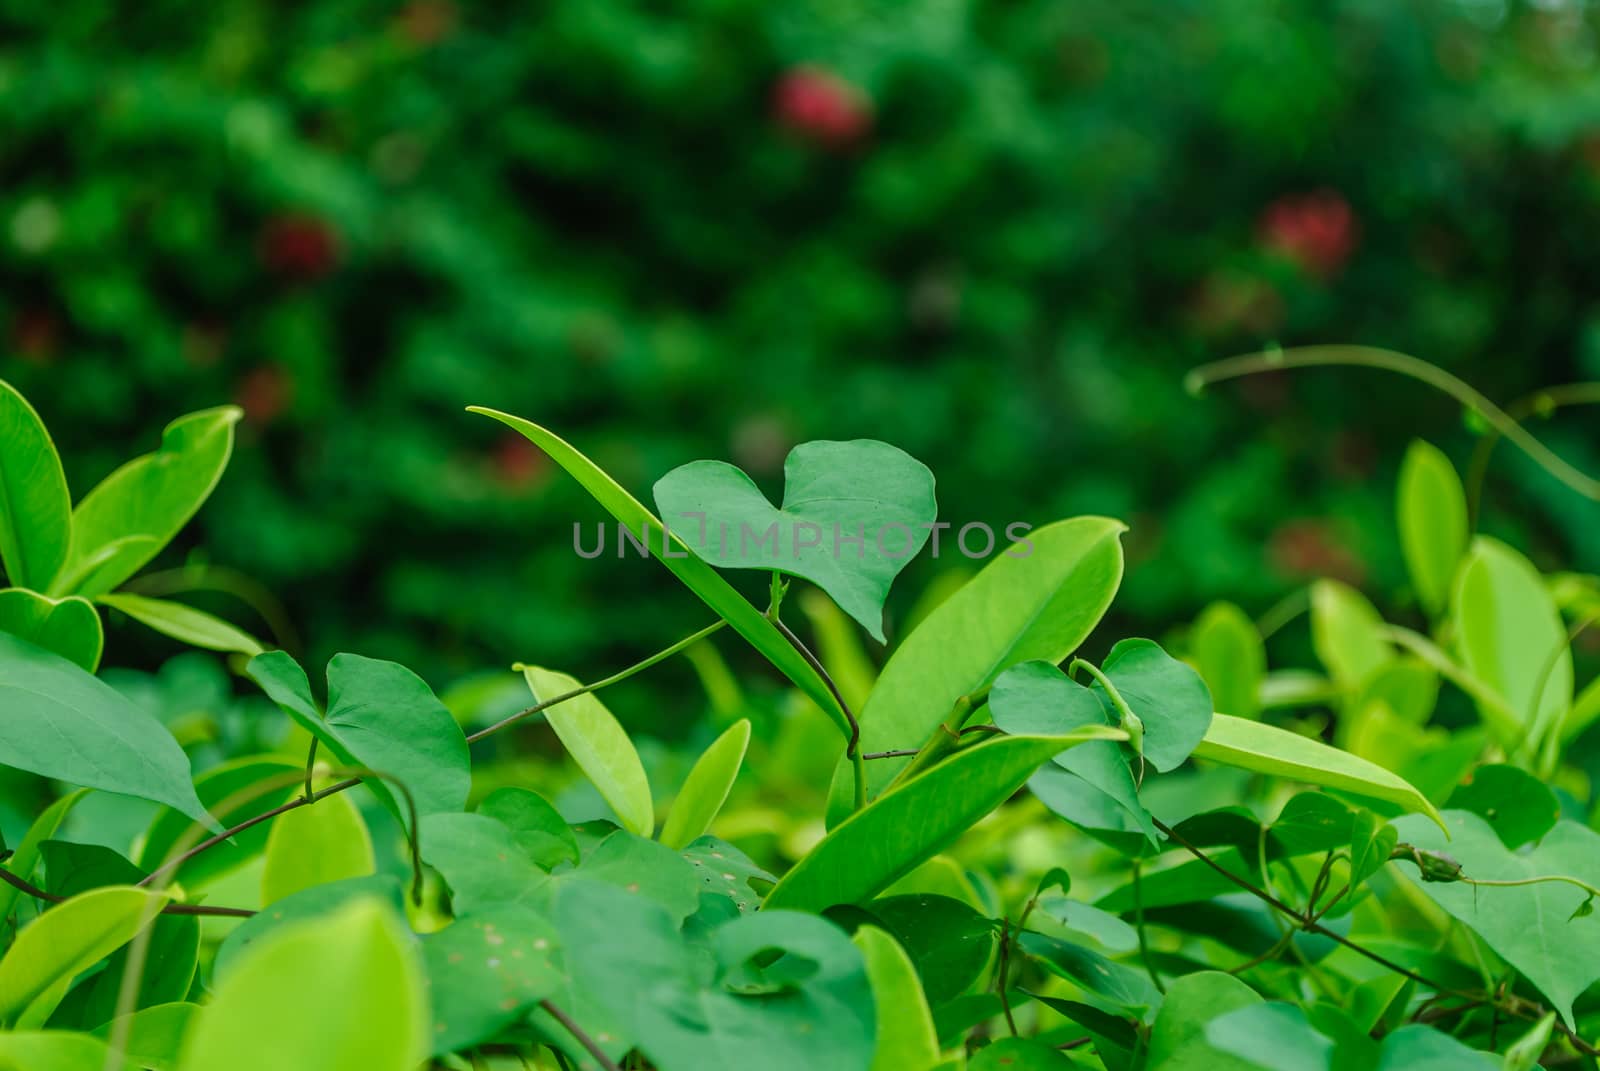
(1317, 231)
(821, 107)
(300, 246)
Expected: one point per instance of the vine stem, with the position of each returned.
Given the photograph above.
(1414, 368)
(615, 678)
(853, 745)
(27, 888)
(582, 1035)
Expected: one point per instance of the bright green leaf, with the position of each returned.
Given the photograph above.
(317, 902)
(536, 825)
(137, 510)
(862, 489)
(1178, 1038)
(1019, 1054)
(65, 940)
(68, 627)
(599, 745)
(906, 1038)
(1266, 749)
(1271, 1037)
(64, 723)
(35, 508)
(864, 854)
(1228, 651)
(1169, 698)
(1347, 633)
(194, 627)
(314, 845)
(700, 577)
(330, 994)
(233, 791)
(706, 788)
(152, 1037)
(1041, 605)
(26, 857)
(1421, 1048)
(1432, 513)
(56, 1050)
(486, 970)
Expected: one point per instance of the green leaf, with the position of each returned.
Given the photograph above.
(480, 860)
(906, 1037)
(382, 716)
(700, 577)
(1089, 785)
(1371, 842)
(832, 491)
(1040, 606)
(236, 785)
(1530, 926)
(1269, 750)
(1347, 633)
(486, 970)
(317, 902)
(1272, 1037)
(737, 1007)
(1019, 1054)
(867, 852)
(1432, 513)
(314, 845)
(1169, 698)
(152, 1036)
(67, 627)
(1114, 986)
(1518, 806)
(1178, 1038)
(27, 855)
(725, 870)
(1232, 659)
(56, 1050)
(949, 942)
(599, 745)
(35, 507)
(706, 788)
(65, 940)
(541, 831)
(1422, 1048)
(329, 994)
(62, 722)
(134, 512)
(1510, 636)
(194, 627)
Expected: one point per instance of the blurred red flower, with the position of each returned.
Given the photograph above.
(1317, 231)
(1311, 548)
(264, 393)
(300, 245)
(821, 107)
(518, 463)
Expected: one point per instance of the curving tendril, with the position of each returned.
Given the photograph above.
(1498, 419)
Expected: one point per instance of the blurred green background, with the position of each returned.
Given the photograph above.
(994, 233)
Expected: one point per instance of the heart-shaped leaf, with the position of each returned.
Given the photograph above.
(486, 970)
(1530, 926)
(62, 722)
(1519, 806)
(35, 508)
(69, 626)
(537, 826)
(134, 512)
(1178, 1038)
(1169, 697)
(877, 496)
(382, 716)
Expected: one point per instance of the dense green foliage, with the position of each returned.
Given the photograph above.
(993, 853)
(993, 234)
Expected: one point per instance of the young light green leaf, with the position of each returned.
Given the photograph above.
(137, 510)
(65, 940)
(185, 623)
(1227, 650)
(861, 490)
(1266, 749)
(153, 1036)
(906, 1038)
(1347, 633)
(1511, 637)
(867, 852)
(238, 786)
(35, 508)
(1432, 511)
(69, 626)
(329, 994)
(1038, 605)
(313, 846)
(317, 902)
(58, 1050)
(706, 788)
(64, 723)
(1169, 698)
(599, 745)
(1530, 926)
(696, 574)
(382, 716)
